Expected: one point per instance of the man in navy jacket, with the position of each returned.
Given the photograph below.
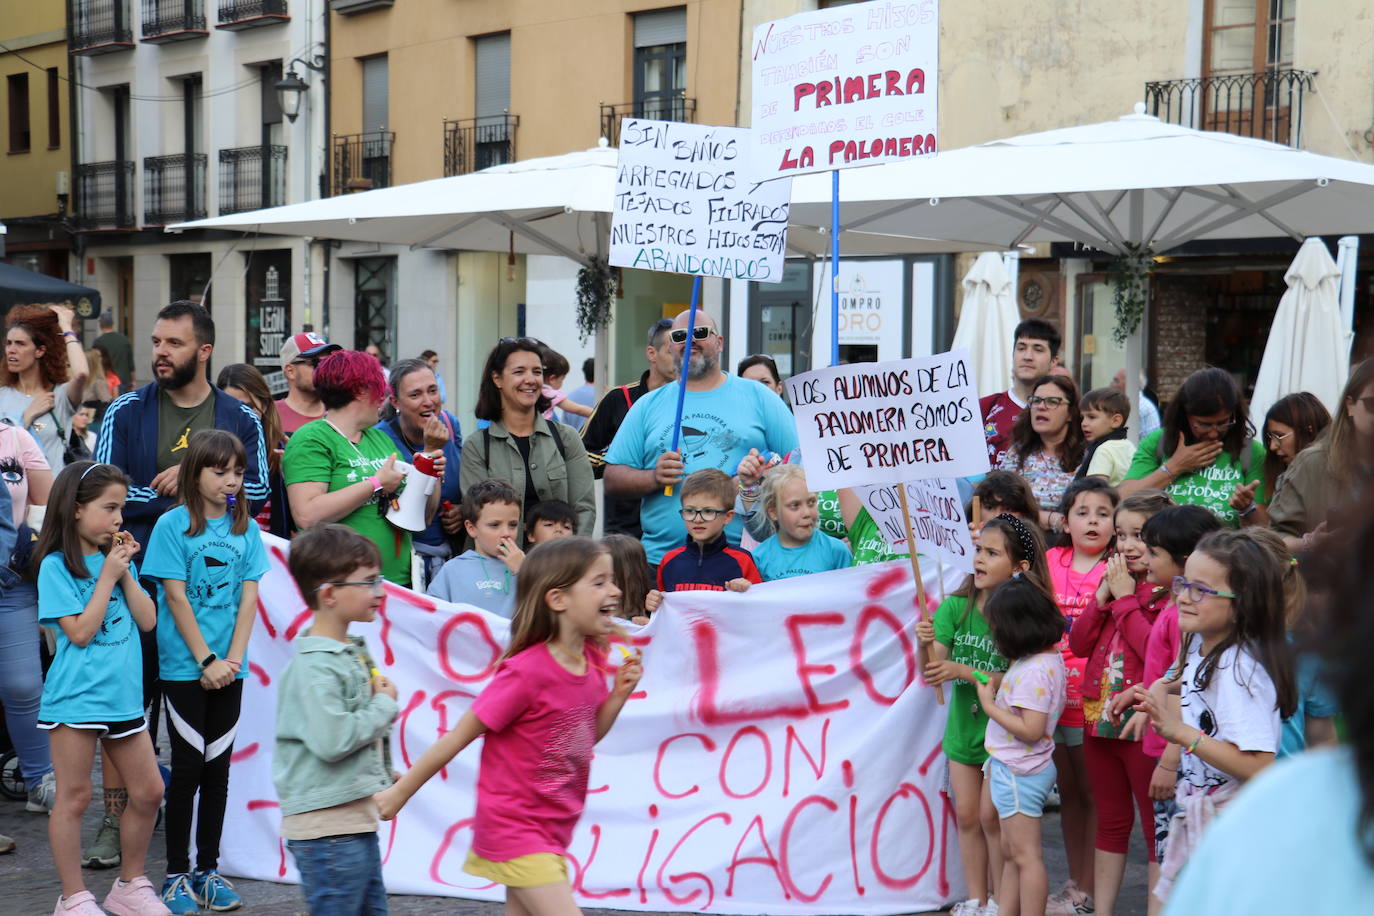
(146, 432)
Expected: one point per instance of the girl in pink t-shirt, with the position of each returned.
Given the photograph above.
(541, 715)
(1075, 572)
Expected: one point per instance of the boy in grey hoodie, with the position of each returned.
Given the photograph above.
(485, 575)
(334, 716)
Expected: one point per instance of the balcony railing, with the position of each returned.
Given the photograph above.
(362, 162)
(173, 188)
(101, 26)
(236, 15)
(347, 7)
(173, 20)
(1266, 106)
(474, 144)
(671, 108)
(251, 177)
(105, 195)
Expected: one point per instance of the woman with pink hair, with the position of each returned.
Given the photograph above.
(340, 468)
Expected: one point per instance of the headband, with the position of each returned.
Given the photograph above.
(91, 468)
(1023, 535)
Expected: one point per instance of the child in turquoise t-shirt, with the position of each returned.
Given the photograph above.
(798, 547)
(962, 651)
(88, 592)
(209, 555)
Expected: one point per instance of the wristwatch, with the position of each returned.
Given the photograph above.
(208, 660)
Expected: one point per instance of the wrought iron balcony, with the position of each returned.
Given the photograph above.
(173, 20)
(347, 7)
(105, 195)
(362, 162)
(1266, 105)
(236, 15)
(173, 188)
(101, 26)
(251, 178)
(669, 108)
(474, 144)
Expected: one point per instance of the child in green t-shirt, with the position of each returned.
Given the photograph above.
(962, 652)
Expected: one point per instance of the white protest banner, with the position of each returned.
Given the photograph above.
(685, 203)
(777, 758)
(908, 419)
(937, 518)
(850, 85)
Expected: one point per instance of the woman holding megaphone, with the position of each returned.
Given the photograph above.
(340, 468)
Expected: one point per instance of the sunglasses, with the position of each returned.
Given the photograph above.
(532, 342)
(311, 361)
(679, 335)
(1196, 591)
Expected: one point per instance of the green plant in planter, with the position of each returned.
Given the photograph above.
(1130, 291)
(596, 285)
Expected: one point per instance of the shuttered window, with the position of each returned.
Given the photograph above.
(661, 27)
(493, 74)
(376, 91)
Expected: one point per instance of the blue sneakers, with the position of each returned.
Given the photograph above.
(213, 892)
(177, 896)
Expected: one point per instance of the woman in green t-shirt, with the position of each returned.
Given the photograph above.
(962, 651)
(1210, 444)
(340, 468)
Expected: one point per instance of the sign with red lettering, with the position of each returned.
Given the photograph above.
(871, 423)
(851, 85)
(777, 758)
(937, 518)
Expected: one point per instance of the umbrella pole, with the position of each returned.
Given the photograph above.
(682, 375)
(835, 268)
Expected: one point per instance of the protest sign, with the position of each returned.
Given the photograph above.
(738, 779)
(685, 203)
(937, 518)
(846, 86)
(909, 419)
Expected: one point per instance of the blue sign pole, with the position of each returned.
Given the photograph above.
(835, 267)
(682, 376)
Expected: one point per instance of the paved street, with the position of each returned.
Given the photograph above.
(28, 884)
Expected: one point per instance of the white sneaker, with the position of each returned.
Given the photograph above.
(970, 907)
(41, 797)
(989, 909)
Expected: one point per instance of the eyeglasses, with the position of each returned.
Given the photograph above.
(311, 361)
(705, 515)
(1220, 427)
(1278, 438)
(1051, 403)
(679, 335)
(1196, 591)
(378, 585)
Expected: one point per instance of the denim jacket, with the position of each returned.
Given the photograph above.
(329, 725)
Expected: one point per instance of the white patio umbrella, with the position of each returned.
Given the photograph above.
(987, 321)
(1309, 346)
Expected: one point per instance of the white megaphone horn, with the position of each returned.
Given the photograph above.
(408, 510)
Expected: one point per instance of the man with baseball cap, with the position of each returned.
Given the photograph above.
(299, 356)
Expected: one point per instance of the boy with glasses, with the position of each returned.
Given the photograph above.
(299, 356)
(707, 562)
(334, 715)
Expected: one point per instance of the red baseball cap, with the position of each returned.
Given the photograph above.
(306, 343)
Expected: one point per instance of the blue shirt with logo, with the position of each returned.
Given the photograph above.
(101, 681)
(819, 554)
(719, 427)
(214, 565)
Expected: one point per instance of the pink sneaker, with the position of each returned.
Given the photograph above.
(82, 904)
(136, 898)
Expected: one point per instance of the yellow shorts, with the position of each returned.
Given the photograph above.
(523, 871)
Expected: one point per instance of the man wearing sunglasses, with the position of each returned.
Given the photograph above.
(727, 422)
(299, 356)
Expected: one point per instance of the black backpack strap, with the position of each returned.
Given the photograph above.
(558, 440)
(486, 447)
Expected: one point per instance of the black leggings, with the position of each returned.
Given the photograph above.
(201, 724)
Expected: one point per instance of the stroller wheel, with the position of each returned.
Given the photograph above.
(11, 780)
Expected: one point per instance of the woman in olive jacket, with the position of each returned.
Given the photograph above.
(542, 459)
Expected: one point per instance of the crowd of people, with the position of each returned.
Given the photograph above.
(1126, 639)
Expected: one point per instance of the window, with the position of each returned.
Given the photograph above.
(660, 64)
(1249, 36)
(54, 109)
(18, 85)
(492, 127)
(376, 94)
(374, 306)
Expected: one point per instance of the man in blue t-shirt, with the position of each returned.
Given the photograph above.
(728, 423)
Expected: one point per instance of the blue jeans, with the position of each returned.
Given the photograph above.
(21, 675)
(341, 875)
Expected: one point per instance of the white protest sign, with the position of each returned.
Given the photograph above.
(737, 779)
(909, 419)
(937, 518)
(850, 85)
(685, 204)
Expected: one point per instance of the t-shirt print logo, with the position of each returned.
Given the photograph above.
(216, 574)
(181, 442)
(560, 772)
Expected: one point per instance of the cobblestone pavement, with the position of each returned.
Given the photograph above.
(28, 883)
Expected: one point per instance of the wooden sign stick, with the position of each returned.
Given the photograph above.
(923, 653)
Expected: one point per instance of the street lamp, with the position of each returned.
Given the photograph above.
(291, 88)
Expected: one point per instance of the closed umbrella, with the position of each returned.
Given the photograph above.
(1309, 346)
(987, 321)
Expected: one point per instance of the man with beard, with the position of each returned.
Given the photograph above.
(735, 422)
(145, 432)
(299, 356)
